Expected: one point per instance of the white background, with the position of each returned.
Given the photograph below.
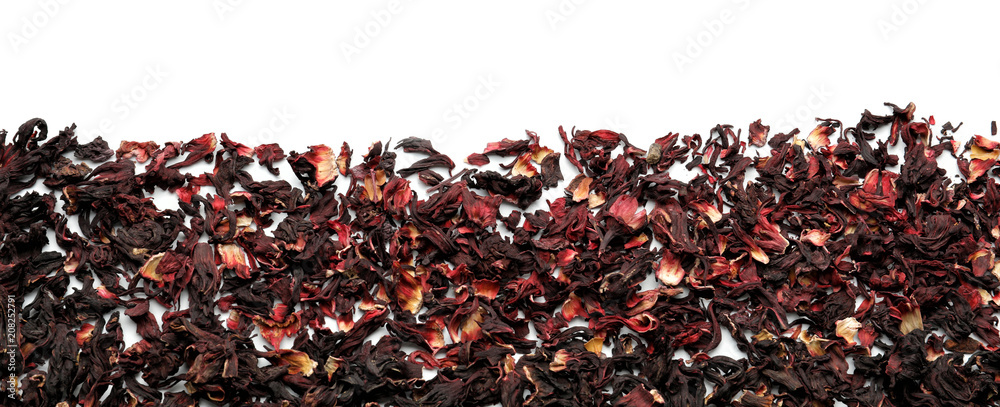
(463, 73)
(643, 68)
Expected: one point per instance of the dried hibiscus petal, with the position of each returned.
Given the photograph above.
(389, 293)
(316, 168)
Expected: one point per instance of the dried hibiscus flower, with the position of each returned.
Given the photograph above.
(829, 277)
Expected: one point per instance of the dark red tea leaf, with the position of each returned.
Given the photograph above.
(839, 277)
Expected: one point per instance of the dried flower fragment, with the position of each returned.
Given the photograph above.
(842, 278)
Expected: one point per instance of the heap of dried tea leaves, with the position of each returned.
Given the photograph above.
(841, 271)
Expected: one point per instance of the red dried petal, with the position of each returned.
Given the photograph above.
(758, 134)
(297, 362)
(477, 159)
(670, 272)
(409, 291)
(140, 151)
(344, 159)
(232, 257)
(282, 323)
(820, 137)
(626, 210)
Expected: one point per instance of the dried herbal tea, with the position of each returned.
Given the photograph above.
(846, 268)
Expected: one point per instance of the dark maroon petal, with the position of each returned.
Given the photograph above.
(840, 277)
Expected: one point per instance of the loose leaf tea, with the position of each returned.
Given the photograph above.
(842, 271)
